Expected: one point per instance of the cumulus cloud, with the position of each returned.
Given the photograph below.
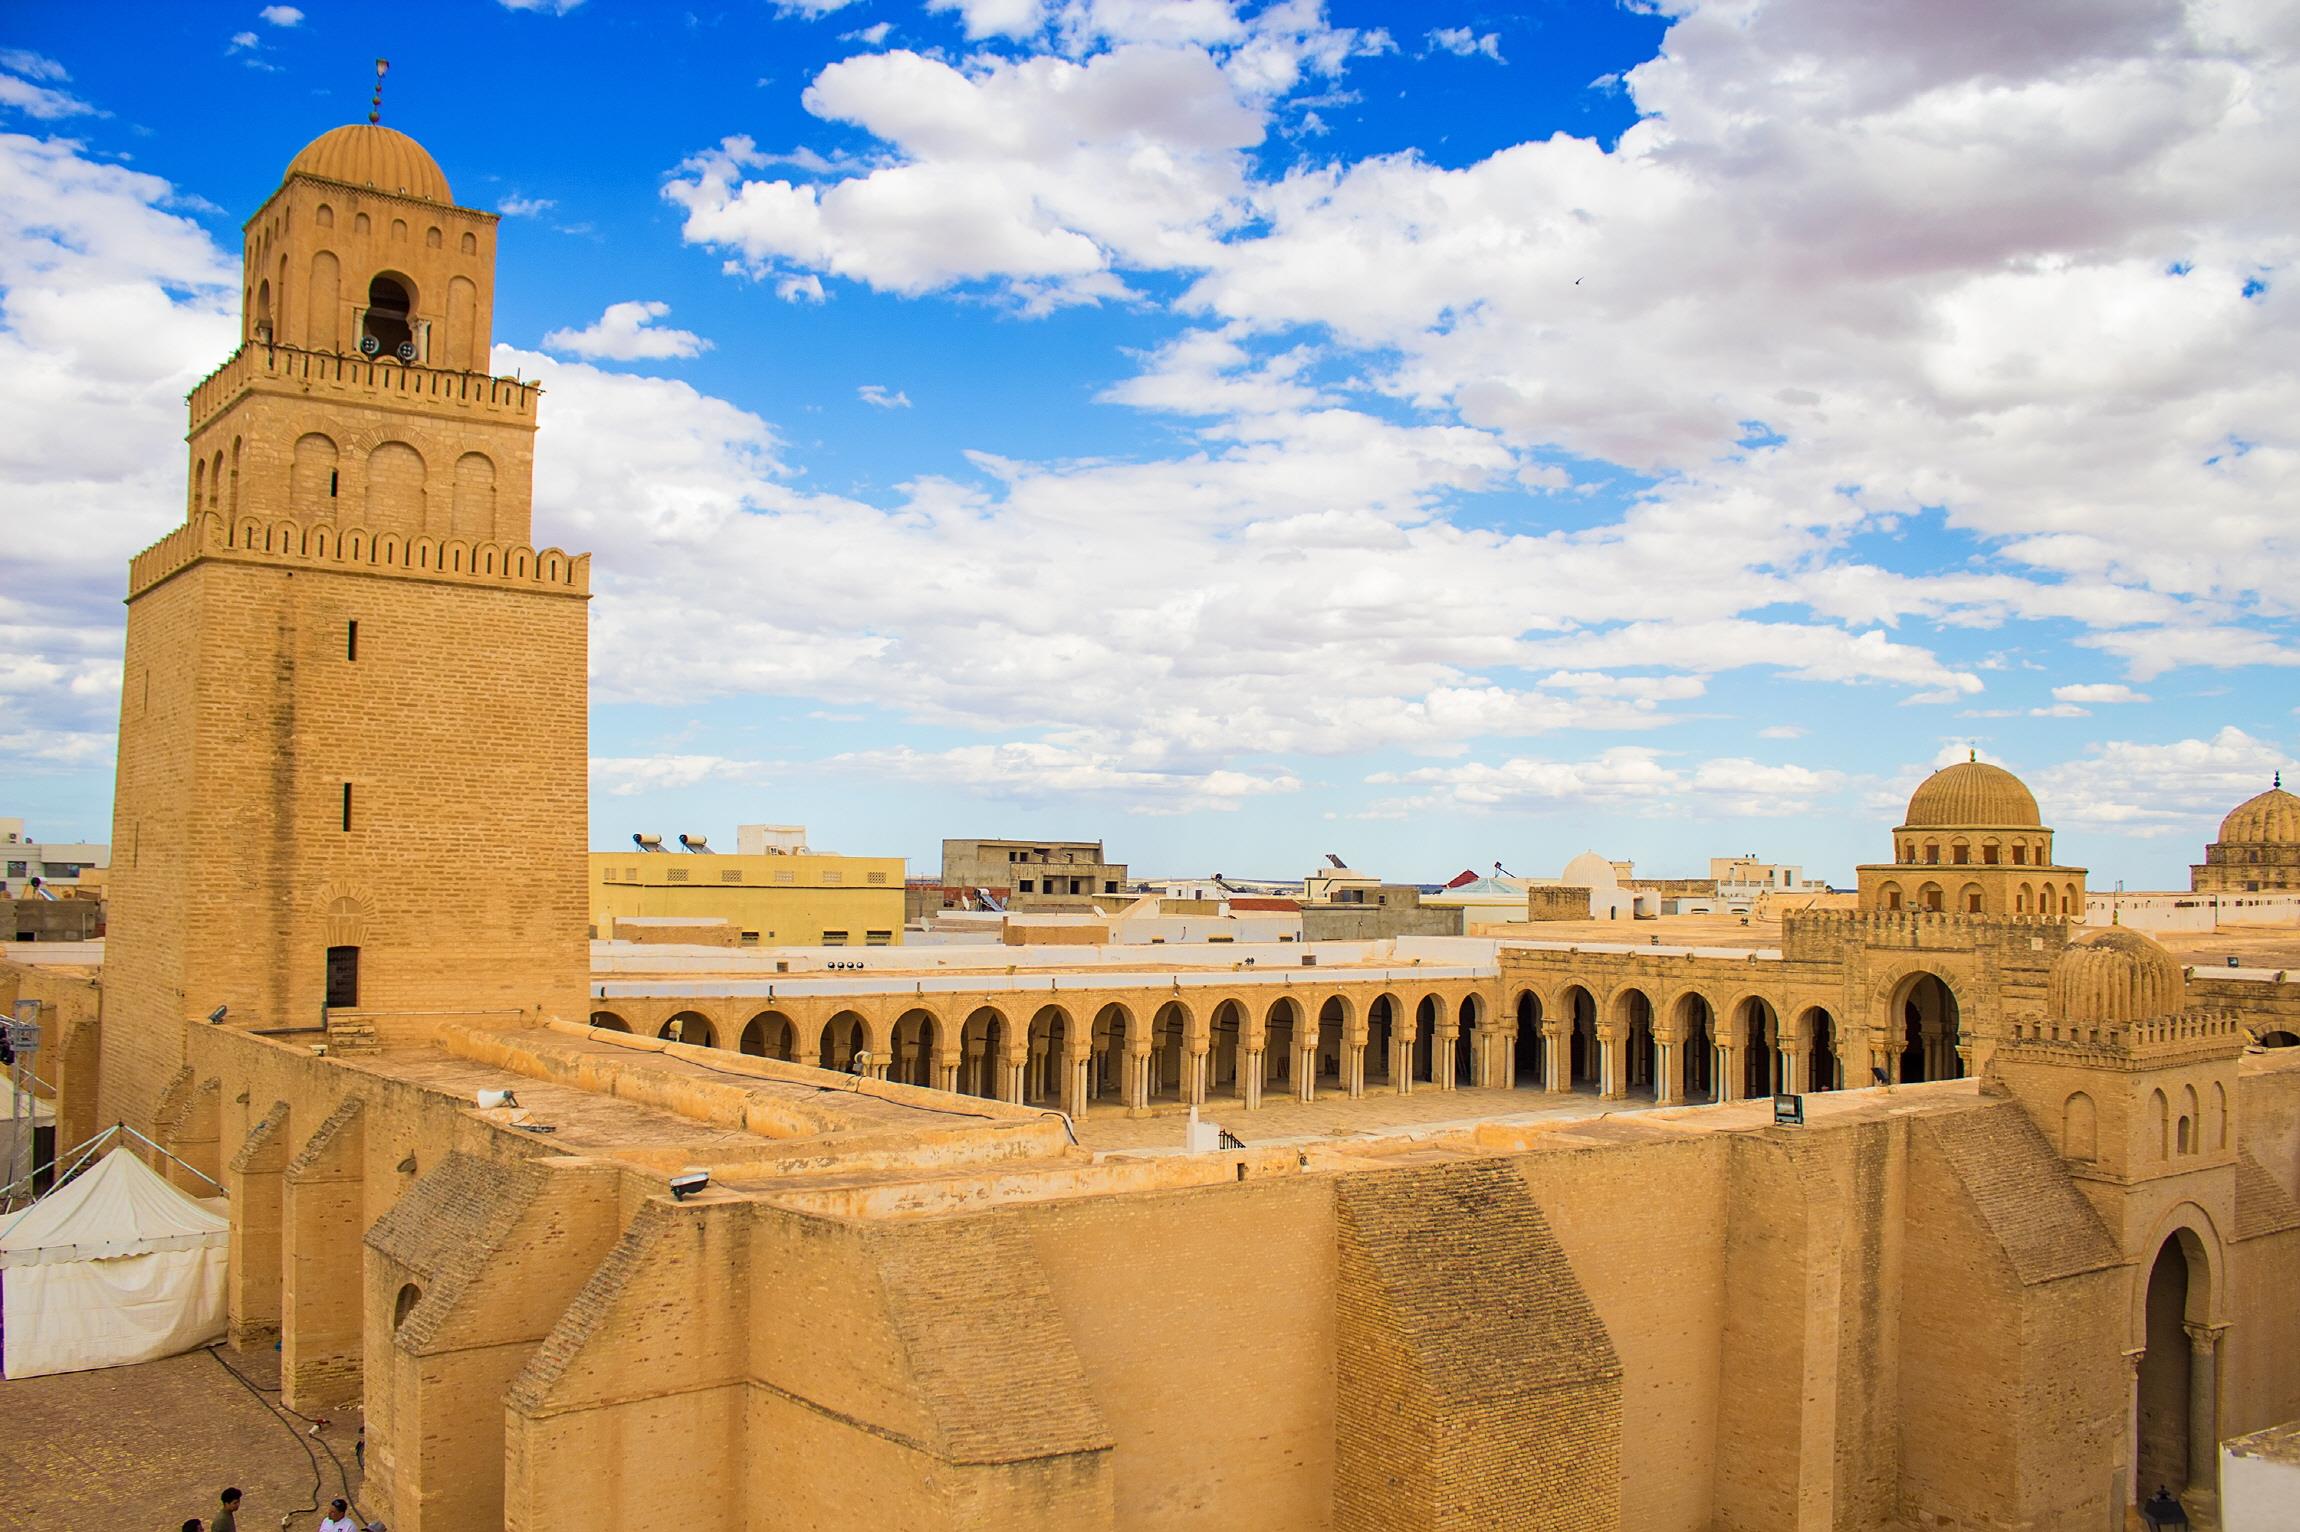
(884, 397)
(2179, 788)
(282, 15)
(626, 332)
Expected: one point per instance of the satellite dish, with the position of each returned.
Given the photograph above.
(407, 351)
(369, 345)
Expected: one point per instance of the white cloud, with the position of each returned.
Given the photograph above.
(22, 73)
(555, 7)
(871, 36)
(516, 206)
(1465, 43)
(2098, 691)
(1031, 772)
(1783, 731)
(626, 333)
(2060, 710)
(244, 40)
(2140, 789)
(1625, 778)
(631, 775)
(282, 15)
(882, 396)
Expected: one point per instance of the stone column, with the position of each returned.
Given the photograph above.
(1728, 1072)
(2134, 1493)
(1401, 1062)
(1194, 1069)
(1074, 1071)
(1010, 1079)
(1441, 1057)
(1306, 1071)
(2204, 1407)
(1250, 1079)
(946, 1072)
(1665, 1076)
(1791, 1059)
(1354, 1067)
(1557, 1054)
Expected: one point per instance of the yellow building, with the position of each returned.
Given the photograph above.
(804, 900)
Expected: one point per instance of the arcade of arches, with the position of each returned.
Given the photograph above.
(1689, 1031)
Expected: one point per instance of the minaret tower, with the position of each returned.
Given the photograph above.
(352, 727)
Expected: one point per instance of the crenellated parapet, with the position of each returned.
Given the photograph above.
(1816, 935)
(356, 379)
(2158, 1043)
(327, 545)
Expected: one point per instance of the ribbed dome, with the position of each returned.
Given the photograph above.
(1973, 793)
(2115, 977)
(2272, 818)
(369, 154)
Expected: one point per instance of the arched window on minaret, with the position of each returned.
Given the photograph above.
(473, 511)
(389, 318)
(312, 477)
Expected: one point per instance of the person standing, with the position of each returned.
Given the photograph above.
(338, 1517)
(194, 1524)
(227, 1519)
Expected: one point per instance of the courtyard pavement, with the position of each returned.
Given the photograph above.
(149, 1445)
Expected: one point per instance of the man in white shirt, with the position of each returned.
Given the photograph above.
(338, 1518)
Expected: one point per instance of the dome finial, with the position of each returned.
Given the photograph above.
(1972, 752)
(375, 103)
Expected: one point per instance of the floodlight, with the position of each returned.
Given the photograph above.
(216, 1016)
(686, 1185)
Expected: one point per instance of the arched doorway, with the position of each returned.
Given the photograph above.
(2172, 1451)
(1225, 1041)
(1381, 1037)
(917, 1038)
(2279, 1040)
(1333, 1034)
(1426, 1017)
(1633, 1013)
(1467, 1020)
(842, 1042)
(768, 1035)
(1760, 1030)
(608, 1021)
(1049, 1046)
(982, 1053)
(1697, 1025)
(1527, 1074)
(1925, 1010)
(1821, 1051)
(689, 1027)
(1280, 1029)
(1112, 1039)
(1581, 1048)
(1169, 1044)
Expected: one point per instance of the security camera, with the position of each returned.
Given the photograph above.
(490, 1099)
(686, 1185)
(216, 1016)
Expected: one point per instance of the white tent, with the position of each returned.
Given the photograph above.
(115, 1266)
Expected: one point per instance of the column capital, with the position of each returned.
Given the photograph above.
(2204, 1335)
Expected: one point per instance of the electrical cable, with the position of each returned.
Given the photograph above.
(280, 1410)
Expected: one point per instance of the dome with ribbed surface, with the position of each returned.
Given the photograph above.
(2273, 818)
(369, 154)
(1973, 793)
(2116, 977)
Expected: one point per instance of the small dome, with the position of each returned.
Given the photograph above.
(2273, 818)
(1973, 793)
(369, 154)
(2115, 977)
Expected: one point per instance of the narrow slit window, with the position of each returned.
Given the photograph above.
(333, 476)
(347, 805)
(351, 639)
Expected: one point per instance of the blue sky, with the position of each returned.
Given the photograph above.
(1238, 432)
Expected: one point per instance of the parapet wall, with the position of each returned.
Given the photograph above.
(356, 550)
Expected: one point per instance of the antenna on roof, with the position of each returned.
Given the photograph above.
(375, 103)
